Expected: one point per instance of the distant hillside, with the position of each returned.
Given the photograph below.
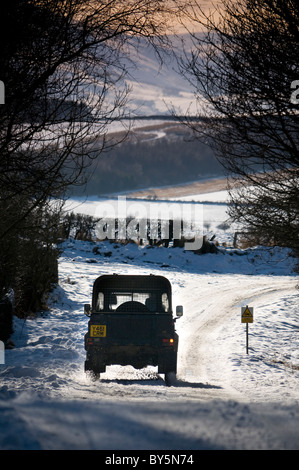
(157, 86)
(153, 156)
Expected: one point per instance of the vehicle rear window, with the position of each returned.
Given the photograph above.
(146, 301)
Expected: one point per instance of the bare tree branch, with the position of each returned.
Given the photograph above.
(242, 67)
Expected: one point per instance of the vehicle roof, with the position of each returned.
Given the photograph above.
(129, 282)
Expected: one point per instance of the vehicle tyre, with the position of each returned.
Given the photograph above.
(170, 378)
(95, 376)
(92, 375)
(94, 368)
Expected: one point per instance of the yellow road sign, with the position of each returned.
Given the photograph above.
(247, 314)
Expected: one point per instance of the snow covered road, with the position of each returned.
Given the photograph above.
(223, 398)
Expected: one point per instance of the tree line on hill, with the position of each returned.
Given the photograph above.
(142, 164)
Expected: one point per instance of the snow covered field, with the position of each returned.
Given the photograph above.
(208, 211)
(223, 398)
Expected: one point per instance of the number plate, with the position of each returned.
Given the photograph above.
(98, 331)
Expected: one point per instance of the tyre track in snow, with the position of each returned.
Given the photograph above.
(203, 357)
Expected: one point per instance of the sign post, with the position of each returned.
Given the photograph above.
(247, 317)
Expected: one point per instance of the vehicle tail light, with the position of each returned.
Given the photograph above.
(167, 340)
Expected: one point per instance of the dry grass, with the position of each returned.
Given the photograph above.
(187, 189)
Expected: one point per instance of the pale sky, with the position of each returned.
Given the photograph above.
(207, 6)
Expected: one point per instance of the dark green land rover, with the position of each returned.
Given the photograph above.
(131, 323)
